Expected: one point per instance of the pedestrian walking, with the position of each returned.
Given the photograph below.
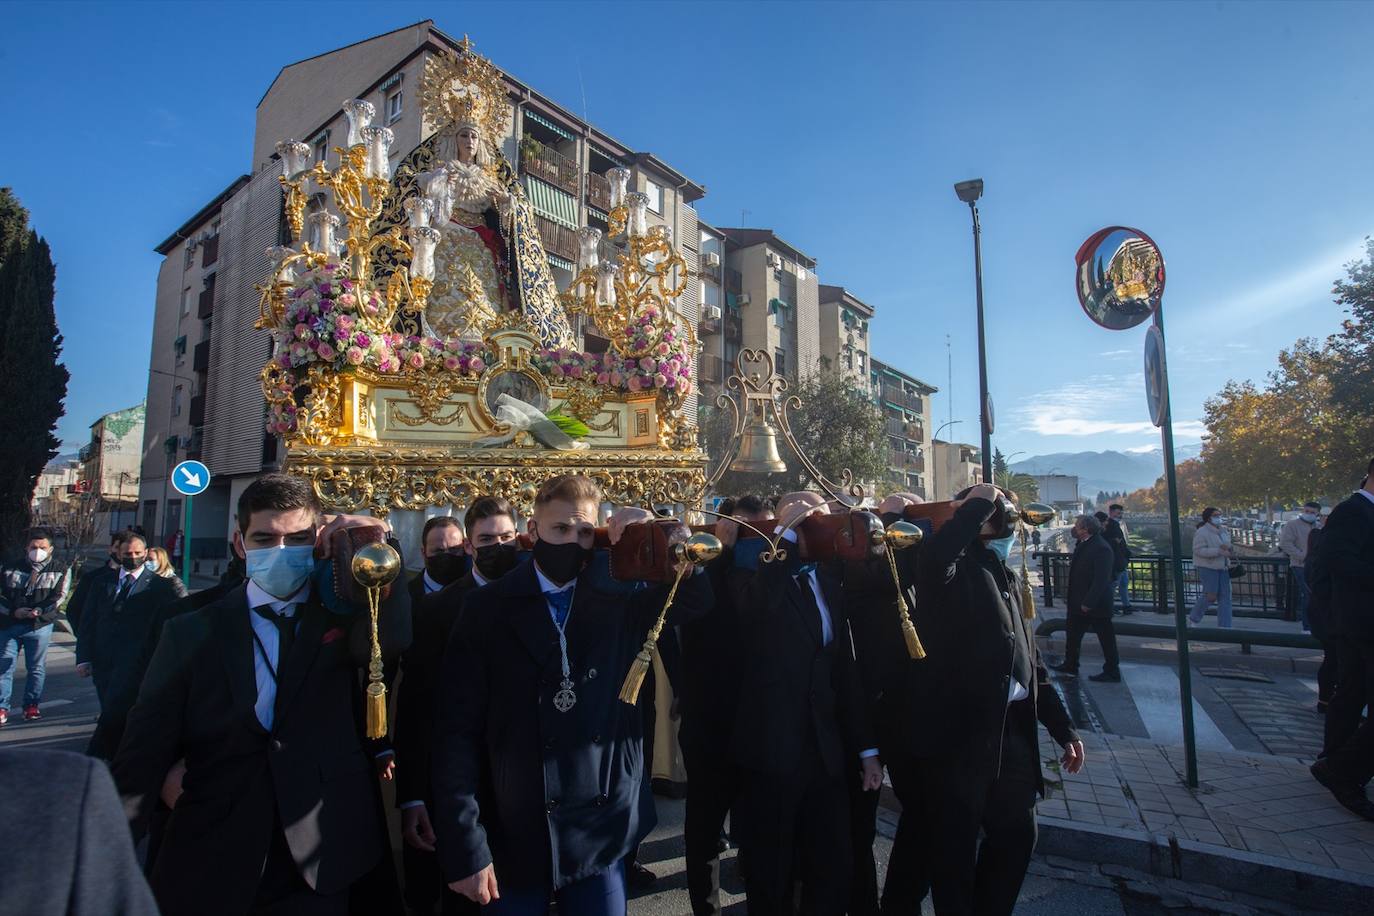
(1114, 533)
(1089, 603)
(1293, 537)
(1212, 559)
(30, 593)
(1347, 557)
(160, 563)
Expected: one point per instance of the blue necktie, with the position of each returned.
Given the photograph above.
(561, 605)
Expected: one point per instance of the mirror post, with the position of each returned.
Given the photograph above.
(1185, 671)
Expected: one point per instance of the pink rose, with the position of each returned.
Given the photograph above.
(634, 383)
(647, 364)
(661, 380)
(354, 356)
(617, 379)
(603, 378)
(670, 382)
(450, 363)
(302, 332)
(664, 349)
(326, 351)
(576, 372)
(557, 371)
(477, 365)
(417, 361)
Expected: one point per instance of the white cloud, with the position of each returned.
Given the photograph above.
(1095, 406)
(1115, 354)
(1140, 449)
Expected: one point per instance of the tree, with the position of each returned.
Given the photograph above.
(837, 426)
(1354, 345)
(34, 384)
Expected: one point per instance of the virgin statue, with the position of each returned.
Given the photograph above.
(490, 267)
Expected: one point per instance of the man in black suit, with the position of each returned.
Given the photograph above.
(801, 727)
(1347, 558)
(539, 775)
(75, 858)
(280, 811)
(1089, 602)
(120, 609)
(1115, 535)
(491, 543)
(711, 672)
(446, 558)
(87, 578)
(967, 759)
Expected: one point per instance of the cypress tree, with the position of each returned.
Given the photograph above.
(33, 383)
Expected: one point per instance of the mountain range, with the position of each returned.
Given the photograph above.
(1109, 471)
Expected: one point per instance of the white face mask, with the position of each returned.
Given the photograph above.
(39, 555)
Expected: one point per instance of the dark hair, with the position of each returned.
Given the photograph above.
(1116, 507)
(438, 521)
(1208, 513)
(1312, 504)
(38, 534)
(1090, 524)
(571, 488)
(278, 493)
(1102, 517)
(727, 506)
(487, 507)
(118, 538)
(751, 504)
(132, 535)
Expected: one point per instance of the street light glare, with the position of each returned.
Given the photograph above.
(969, 191)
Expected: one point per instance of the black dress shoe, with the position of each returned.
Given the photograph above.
(1064, 670)
(636, 875)
(1350, 794)
(1106, 677)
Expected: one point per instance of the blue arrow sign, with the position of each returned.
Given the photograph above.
(190, 478)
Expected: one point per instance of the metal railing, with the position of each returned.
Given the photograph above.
(1239, 636)
(1264, 590)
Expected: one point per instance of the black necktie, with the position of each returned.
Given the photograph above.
(811, 609)
(286, 632)
(124, 588)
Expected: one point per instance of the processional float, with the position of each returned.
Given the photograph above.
(424, 356)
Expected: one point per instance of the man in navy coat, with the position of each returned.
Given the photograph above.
(539, 780)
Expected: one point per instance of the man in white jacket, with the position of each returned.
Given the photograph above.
(1293, 543)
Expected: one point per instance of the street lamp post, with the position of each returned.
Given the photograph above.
(1007, 460)
(935, 459)
(969, 192)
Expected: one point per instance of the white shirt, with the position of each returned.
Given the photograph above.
(430, 585)
(126, 574)
(267, 634)
(827, 626)
(1366, 494)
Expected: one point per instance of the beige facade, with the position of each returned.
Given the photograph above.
(958, 465)
(56, 491)
(843, 325)
(905, 403)
(110, 467)
(562, 159)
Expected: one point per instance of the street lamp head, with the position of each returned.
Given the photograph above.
(969, 191)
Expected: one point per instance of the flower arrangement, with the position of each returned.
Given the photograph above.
(326, 326)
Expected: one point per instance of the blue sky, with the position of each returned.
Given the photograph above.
(1239, 136)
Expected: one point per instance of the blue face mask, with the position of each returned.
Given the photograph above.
(1308, 517)
(151, 565)
(1002, 546)
(281, 571)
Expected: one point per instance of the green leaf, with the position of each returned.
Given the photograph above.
(571, 426)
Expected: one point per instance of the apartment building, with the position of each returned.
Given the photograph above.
(771, 302)
(57, 491)
(957, 465)
(844, 321)
(109, 475)
(905, 403)
(204, 398)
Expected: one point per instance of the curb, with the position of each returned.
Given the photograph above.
(1281, 664)
(1167, 856)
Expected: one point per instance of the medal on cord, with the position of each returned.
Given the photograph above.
(566, 698)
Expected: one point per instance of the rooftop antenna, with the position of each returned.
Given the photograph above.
(744, 217)
(582, 86)
(949, 387)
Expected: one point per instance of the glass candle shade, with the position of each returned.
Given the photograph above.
(423, 240)
(277, 255)
(639, 214)
(434, 185)
(419, 210)
(605, 284)
(620, 180)
(360, 115)
(588, 248)
(323, 224)
(295, 157)
(378, 161)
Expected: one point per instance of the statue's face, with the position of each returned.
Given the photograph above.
(467, 145)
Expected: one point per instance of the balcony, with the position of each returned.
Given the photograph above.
(546, 163)
(200, 360)
(599, 192)
(559, 240)
(734, 327)
(197, 417)
(895, 427)
(710, 325)
(895, 395)
(197, 444)
(734, 281)
(209, 251)
(205, 306)
(710, 368)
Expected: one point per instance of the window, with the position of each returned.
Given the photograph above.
(214, 228)
(186, 301)
(655, 195)
(179, 347)
(780, 317)
(321, 147)
(860, 360)
(178, 395)
(393, 107)
(780, 361)
(190, 255)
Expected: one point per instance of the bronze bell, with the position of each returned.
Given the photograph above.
(758, 449)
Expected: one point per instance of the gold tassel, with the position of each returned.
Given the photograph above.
(913, 641)
(634, 678)
(1027, 593)
(376, 690)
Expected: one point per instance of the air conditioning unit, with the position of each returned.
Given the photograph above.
(743, 299)
(710, 313)
(712, 260)
(774, 260)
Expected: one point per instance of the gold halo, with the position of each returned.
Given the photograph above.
(465, 88)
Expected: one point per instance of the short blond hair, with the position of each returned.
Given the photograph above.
(570, 488)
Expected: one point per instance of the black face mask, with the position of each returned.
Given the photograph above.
(131, 564)
(495, 560)
(447, 567)
(561, 562)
